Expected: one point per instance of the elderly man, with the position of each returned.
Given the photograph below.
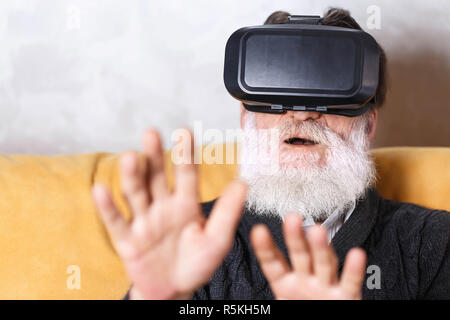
(308, 230)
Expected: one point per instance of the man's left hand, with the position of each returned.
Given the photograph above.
(313, 273)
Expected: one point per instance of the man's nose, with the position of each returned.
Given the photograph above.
(304, 115)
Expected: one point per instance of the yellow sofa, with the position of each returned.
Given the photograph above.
(50, 232)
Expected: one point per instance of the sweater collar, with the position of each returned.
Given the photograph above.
(357, 228)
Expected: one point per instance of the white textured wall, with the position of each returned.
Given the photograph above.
(90, 75)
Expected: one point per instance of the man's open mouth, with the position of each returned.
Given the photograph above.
(299, 141)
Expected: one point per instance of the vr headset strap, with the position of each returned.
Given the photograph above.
(304, 19)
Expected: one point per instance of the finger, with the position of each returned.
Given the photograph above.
(114, 222)
(354, 272)
(296, 243)
(227, 212)
(157, 180)
(134, 186)
(271, 259)
(185, 169)
(324, 259)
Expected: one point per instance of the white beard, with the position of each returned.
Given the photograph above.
(298, 182)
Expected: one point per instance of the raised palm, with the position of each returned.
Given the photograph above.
(169, 249)
(313, 271)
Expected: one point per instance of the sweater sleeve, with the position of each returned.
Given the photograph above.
(434, 263)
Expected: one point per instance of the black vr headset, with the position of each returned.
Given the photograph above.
(302, 66)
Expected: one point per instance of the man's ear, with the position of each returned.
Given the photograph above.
(243, 115)
(372, 123)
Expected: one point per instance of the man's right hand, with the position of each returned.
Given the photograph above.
(169, 249)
